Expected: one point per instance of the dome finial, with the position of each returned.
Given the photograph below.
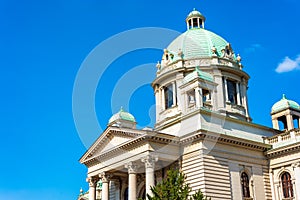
(283, 96)
(81, 192)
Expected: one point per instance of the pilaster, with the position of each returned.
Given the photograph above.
(289, 120)
(296, 167)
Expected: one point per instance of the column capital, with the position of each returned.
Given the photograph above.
(132, 167)
(105, 177)
(150, 161)
(92, 181)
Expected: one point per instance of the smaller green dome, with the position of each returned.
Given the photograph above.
(283, 104)
(198, 73)
(122, 115)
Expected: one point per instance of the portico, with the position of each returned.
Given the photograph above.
(132, 163)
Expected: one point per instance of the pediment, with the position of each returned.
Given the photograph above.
(110, 139)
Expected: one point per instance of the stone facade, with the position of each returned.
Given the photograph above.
(203, 127)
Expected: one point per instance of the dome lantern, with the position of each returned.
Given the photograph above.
(195, 20)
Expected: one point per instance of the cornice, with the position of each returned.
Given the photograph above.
(142, 137)
(281, 151)
(224, 139)
(106, 136)
(146, 138)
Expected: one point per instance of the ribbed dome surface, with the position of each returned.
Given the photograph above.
(197, 42)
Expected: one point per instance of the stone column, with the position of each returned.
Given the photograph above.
(157, 101)
(132, 170)
(296, 168)
(226, 90)
(290, 122)
(219, 96)
(198, 97)
(92, 187)
(105, 186)
(238, 94)
(244, 96)
(174, 93)
(150, 168)
(275, 123)
(163, 101)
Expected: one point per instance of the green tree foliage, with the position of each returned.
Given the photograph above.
(174, 188)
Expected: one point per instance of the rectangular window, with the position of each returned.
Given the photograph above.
(231, 91)
(168, 96)
(191, 98)
(205, 95)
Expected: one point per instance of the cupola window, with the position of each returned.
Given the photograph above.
(168, 91)
(232, 91)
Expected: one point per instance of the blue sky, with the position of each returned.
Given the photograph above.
(44, 43)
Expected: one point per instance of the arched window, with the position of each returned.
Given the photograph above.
(287, 186)
(245, 185)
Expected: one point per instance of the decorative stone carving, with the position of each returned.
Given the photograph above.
(92, 181)
(105, 177)
(214, 50)
(238, 58)
(150, 161)
(180, 53)
(227, 52)
(132, 168)
(158, 65)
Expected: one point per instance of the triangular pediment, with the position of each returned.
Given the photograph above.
(111, 138)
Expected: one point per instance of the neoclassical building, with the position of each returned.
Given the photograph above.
(203, 127)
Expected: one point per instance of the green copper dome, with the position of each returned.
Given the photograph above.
(283, 104)
(122, 115)
(197, 73)
(198, 42)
